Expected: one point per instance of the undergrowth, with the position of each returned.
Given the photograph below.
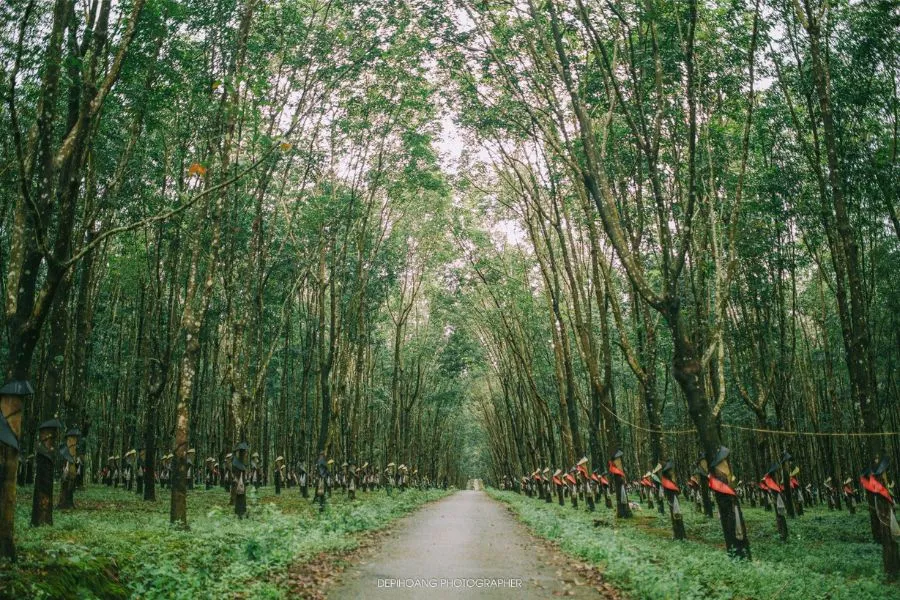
(829, 554)
(114, 545)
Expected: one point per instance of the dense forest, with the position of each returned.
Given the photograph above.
(477, 239)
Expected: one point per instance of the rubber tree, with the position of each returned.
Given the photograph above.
(50, 175)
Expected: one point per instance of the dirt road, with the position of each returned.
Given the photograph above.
(465, 546)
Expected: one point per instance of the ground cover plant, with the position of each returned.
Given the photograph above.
(117, 546)
(829, 554)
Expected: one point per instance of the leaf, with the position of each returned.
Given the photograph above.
(197, 169)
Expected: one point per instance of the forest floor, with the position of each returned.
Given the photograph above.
(829, 554)
(114, 545)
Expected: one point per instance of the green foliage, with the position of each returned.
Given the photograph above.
(829, 554)
(114, 545)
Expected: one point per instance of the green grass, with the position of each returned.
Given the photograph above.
(829, 554)
(114, 545)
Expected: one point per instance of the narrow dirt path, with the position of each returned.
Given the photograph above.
(465, 546)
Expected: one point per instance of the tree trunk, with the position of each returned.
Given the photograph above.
(42, 501)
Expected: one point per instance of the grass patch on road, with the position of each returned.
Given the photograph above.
(829, 555)
(114, 545)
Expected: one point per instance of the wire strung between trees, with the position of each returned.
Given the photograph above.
(758, 430)
(647, 429)
(815, 433)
